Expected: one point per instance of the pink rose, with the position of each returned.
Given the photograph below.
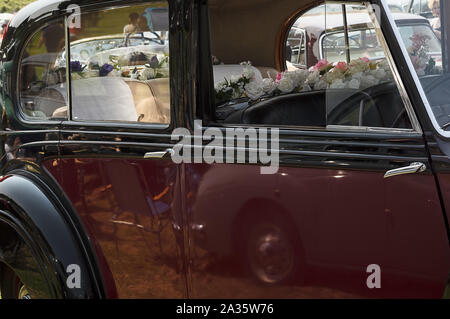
(365, 59)
(341, 66)
(322, 65)
(279, 76)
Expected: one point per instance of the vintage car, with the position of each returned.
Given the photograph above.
(304, 52)
(133, 175)
(85, 49)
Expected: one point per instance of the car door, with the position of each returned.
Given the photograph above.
(353, 209)
(117, 119)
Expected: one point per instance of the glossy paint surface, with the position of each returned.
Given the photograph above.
(345, 221)
(172, 231)
(126, 205)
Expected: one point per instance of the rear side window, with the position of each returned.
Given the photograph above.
(119, 65)
(42, 81)
(115, 63)
(337, 72)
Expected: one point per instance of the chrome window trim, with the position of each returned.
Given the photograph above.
(413, 73)
(19, 109)
(397, 78)
(108, 123)
(68, 71)
(327, 129)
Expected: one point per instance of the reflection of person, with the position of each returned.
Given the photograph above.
(435, 7)
(142, 23)
(12, 147)
(53, 38)
(133, 25)
(2, 29)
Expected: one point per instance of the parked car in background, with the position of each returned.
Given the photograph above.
(420, 7)
(351, 181)
(85, 49)
(312, 38)
(398, 5)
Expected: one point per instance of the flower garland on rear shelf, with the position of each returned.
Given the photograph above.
(358, 74)
(135, 66)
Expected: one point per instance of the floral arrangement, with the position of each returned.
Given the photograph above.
(423, 63)
(358, 74)
(125, 66)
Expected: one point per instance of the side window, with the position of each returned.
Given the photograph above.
(119, 65)
(42, 85)
(345, 78)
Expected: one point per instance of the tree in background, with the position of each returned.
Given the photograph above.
(12, 6)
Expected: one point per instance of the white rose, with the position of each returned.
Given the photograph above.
(254, 90)
(379, 74)
(368, 81)
(248, 73)
(384, 65)
(354, 84)
(298, 76)
(313, 78)
(269, 86)
(237, 93)
(286, 85)
(338, 84)
(220, 86)
(357, 76)
(147, 74)
(321, 85)
(234, 78)
(306, 88)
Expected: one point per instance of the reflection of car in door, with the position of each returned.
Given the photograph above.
(336, 204)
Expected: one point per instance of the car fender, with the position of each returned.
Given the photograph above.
(36, 225)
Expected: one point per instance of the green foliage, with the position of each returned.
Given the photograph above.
(11, 6)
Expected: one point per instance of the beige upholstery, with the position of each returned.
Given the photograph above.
(60, 112)
(149, 107)
(161, 92)
(267, 72)
(248, 30)
(151, 100)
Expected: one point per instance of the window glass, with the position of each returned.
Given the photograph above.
(363, 43)
(296, 48)
(332, 84)
(425, 49)
(119, 65)
(42, 83)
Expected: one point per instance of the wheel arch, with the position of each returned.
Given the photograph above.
(35, 217)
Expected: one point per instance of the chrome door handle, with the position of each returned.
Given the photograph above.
(415, 167)
(159, 155)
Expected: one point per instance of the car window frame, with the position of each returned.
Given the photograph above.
(110, 123)
(407, 103)
(24, 118)
(422, 97)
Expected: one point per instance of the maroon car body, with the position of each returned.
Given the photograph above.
(91, 193)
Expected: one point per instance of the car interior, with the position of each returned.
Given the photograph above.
(262, 34)
(237, 34)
